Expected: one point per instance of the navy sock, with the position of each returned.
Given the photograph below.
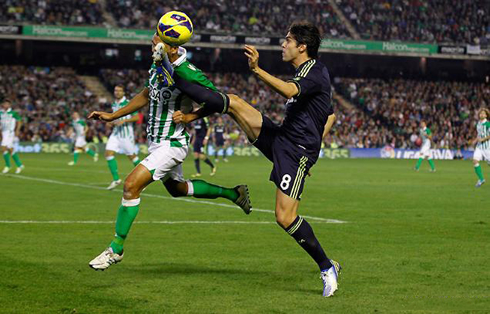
(198, 165)
(207, 161)
(301, 231)
(211, 101)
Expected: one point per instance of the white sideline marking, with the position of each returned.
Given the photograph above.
(18, 176)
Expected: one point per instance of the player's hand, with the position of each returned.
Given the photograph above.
(100, 115)
(253, 57)
(179, 117)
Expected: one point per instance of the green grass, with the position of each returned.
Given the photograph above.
(414, 242)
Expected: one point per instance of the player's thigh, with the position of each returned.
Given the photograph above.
(286, 208)
(248, 118)
(477, 155)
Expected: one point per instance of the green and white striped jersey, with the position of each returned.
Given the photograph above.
(424, 135)
(164, 100)
(8, 120)
(79, 127)
(483, 129)
(125, 130)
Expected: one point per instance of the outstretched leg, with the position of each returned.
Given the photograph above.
(136, 181)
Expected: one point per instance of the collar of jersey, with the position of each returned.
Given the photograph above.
(483, 121)
(183, 56)
(122, 99)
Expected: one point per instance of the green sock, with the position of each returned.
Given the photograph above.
(16, 159)
(419, 162)
(125, 218)
(6, 156)
(75, 156)
(431, 163)
(90, 152)
(136, 161)
(479, 173)
(112, 163)
(202, 189)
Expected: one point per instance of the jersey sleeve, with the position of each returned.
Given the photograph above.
(428, 131)
(81, 122)
(190, 73)
(16, 116)
(308, 83)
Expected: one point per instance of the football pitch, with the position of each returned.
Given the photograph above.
(408, 242)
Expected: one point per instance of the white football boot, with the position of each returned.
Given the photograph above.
(5, 170)
(330, 279)
(19, 169)
(105, 259)
(114, 184)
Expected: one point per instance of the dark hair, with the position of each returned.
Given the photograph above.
(307, 34)
(119, 85)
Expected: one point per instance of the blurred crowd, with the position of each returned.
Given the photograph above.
(395, 107)
(232, 16)
(52, 12)
(442, 21)
(373, 113)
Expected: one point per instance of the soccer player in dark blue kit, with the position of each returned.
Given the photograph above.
(199, 142)
(294, 146)
(219, 130)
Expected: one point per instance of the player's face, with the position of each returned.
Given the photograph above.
(6, 105)
(118, 92)
(290, 48)
(483, 115)
(422, 124)
(75, 116)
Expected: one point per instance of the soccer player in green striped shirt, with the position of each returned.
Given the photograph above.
(168, 145)
(122, 137)
(482, 150)
(426, 136)
(79, 127)
(10, 122)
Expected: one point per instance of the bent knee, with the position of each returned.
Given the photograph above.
(131, 189)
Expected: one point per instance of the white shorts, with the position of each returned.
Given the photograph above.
(164, 161)
(80, 141)
(425, 150)
(481, 154)
(119, 145)
(8, 139)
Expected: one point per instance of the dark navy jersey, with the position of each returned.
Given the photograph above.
(219, 130)
(201, 128)
(308, 111)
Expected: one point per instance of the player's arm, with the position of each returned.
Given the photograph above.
(18, 125)
(328, 126)
(179, 117)
(138, 102)
(134, 118)
(285, 89)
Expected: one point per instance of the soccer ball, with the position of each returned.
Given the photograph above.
(175, 28)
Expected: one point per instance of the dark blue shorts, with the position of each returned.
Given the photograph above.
(291, 164)
(198, 146)
(220, 141)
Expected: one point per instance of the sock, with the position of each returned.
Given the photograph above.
(207, 161)
(136, 161)
(212, 101)
(75, 156)
(202, 189)
(16, 159)
(90, 152)
(478, 171)
(431, 163)
(112, 163)
(301, 231)
(198, 165)
(419, 162)
(125, 217)
(6, 156)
